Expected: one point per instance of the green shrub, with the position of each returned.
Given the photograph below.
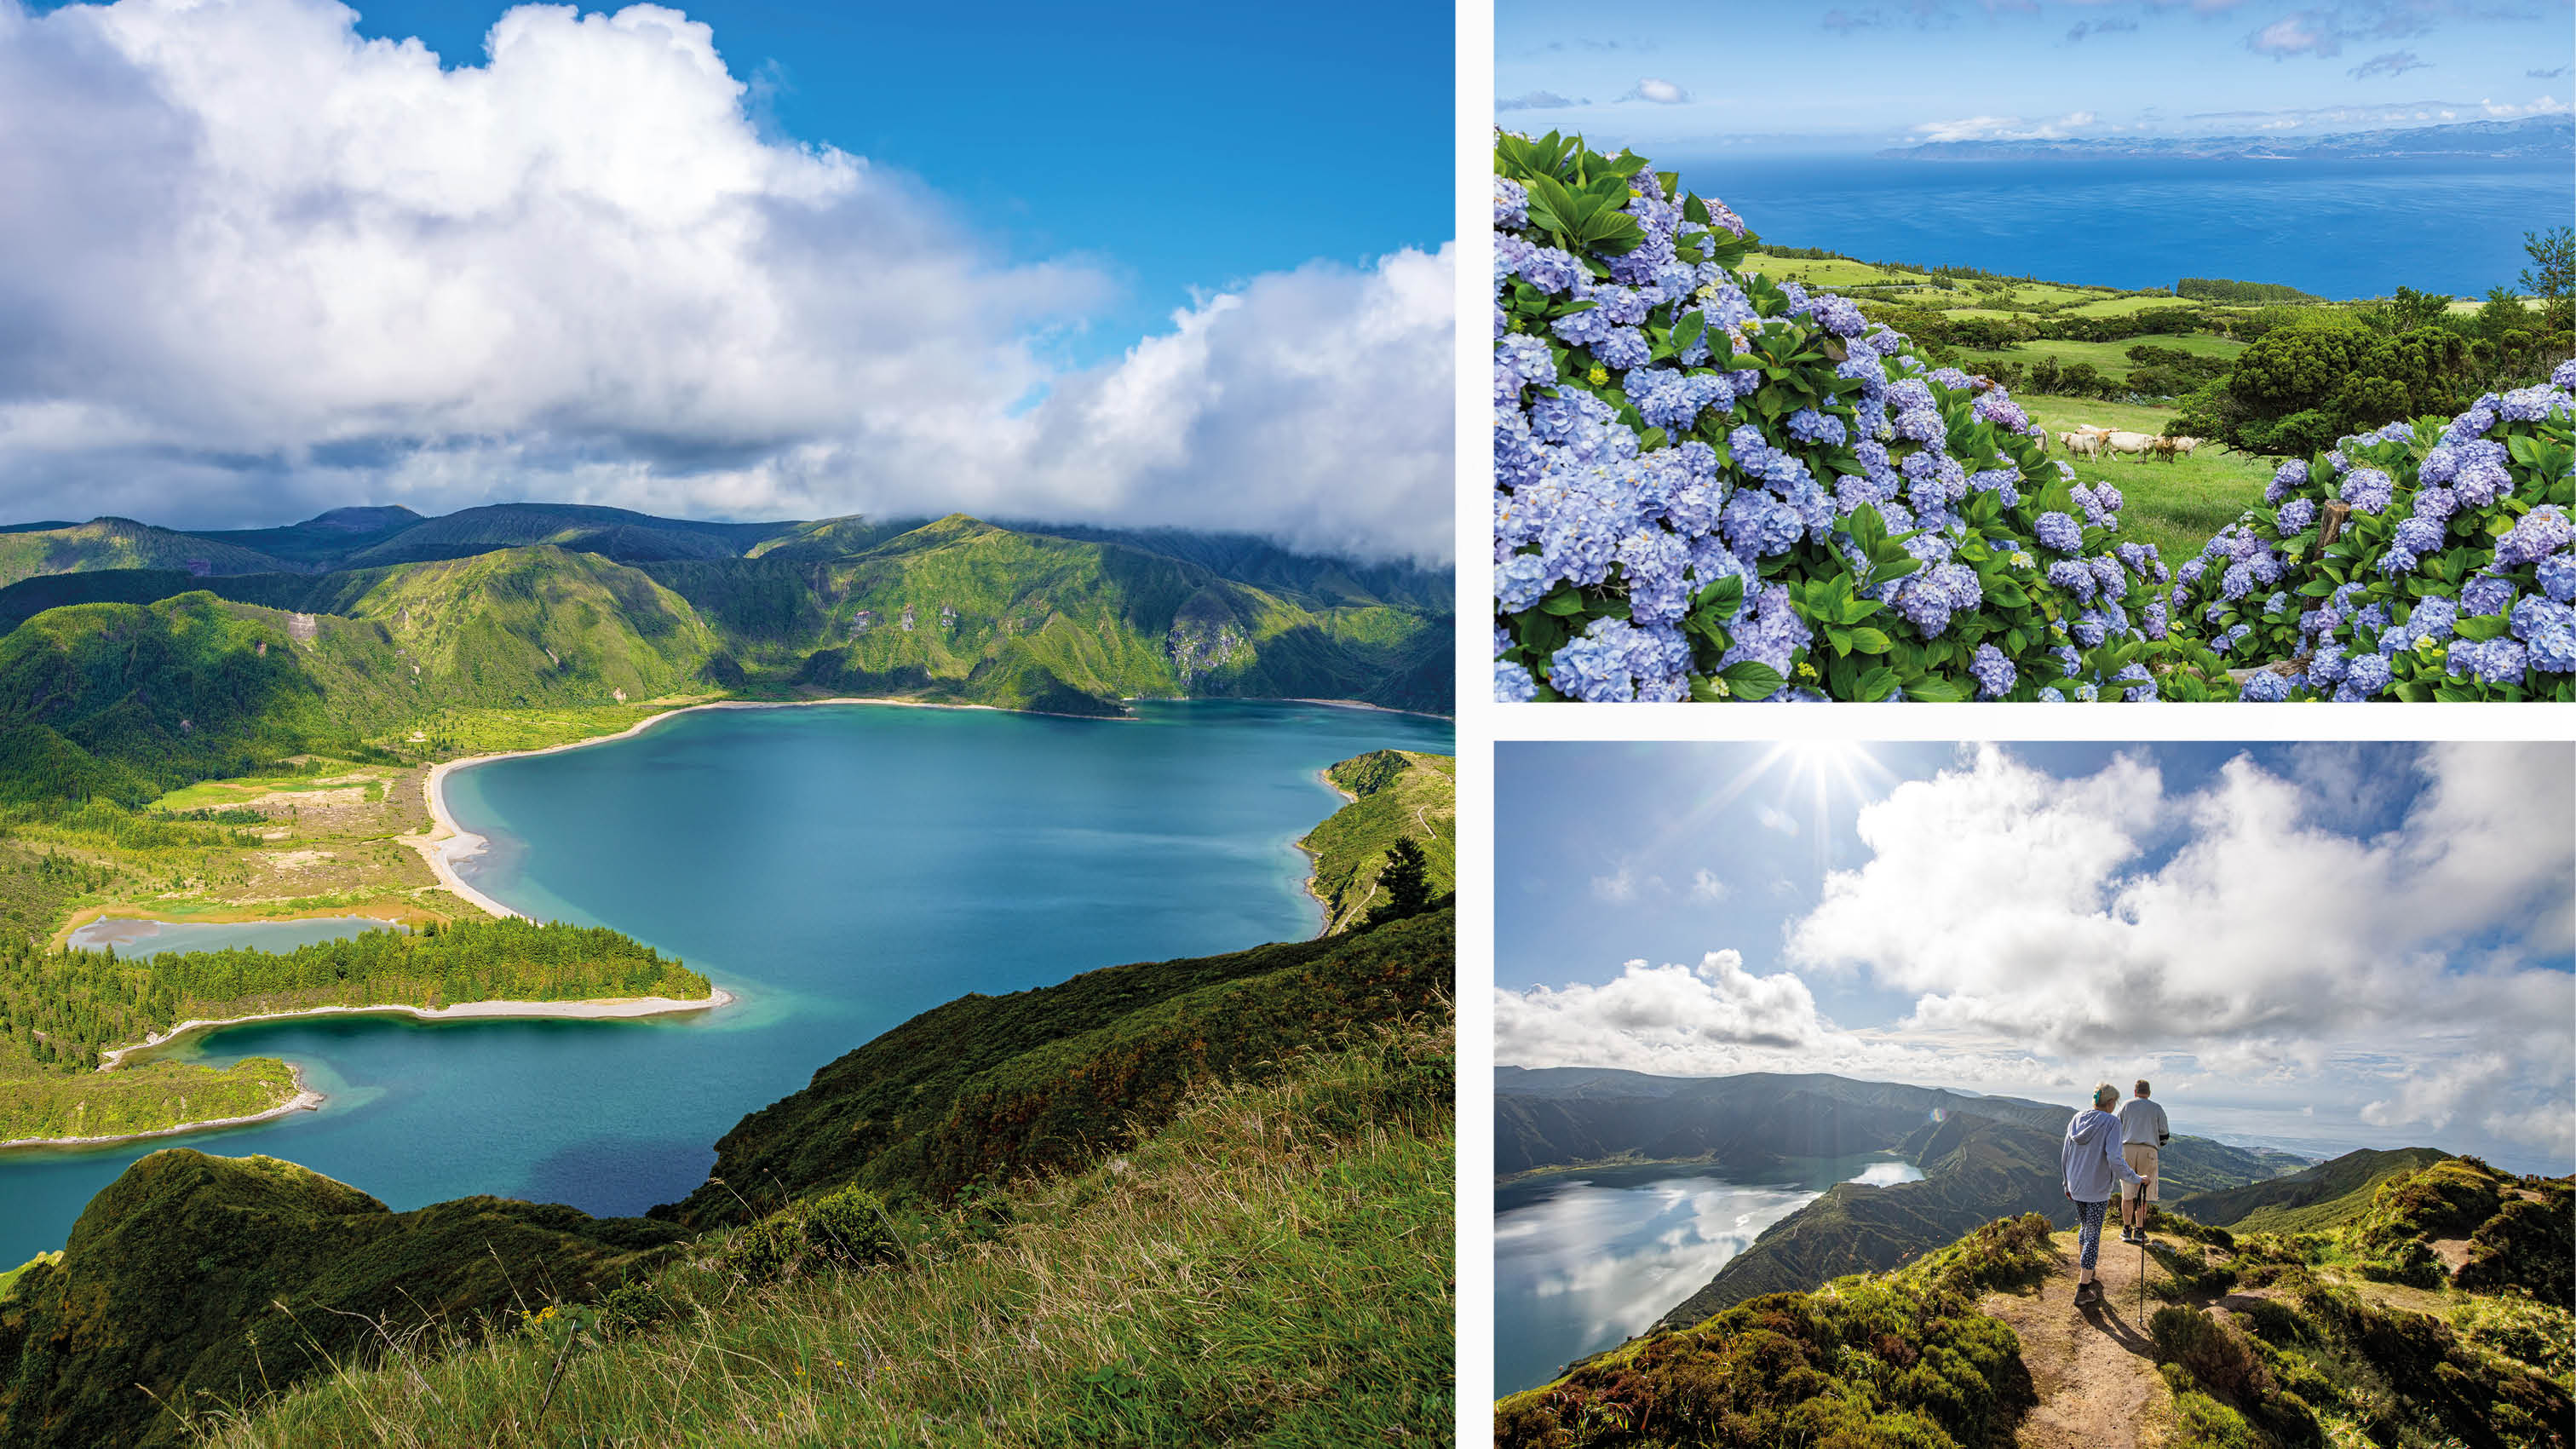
(2214, 1354)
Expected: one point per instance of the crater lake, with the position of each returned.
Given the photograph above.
(837, 868)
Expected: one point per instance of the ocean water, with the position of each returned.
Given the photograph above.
(1582, 1262)
(838, 869)
(2335, 228)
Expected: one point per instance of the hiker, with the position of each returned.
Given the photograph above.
(2093, 1163)
(2143, 1134)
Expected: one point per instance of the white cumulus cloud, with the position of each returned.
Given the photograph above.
(252, 263)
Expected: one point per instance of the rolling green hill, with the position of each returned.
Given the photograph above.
(1397, 795)
(207, 1280)
(2323, 1196)
(616, 533)
(122, 543)
(989, 1086)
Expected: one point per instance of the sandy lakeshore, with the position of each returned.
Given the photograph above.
(606, 1008)
(448, 842)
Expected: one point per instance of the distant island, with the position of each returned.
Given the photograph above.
(2530, 138)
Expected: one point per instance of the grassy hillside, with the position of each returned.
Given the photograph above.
(121, 543)
(987, 1086)
(1397, 795)
(204, 1279)
(2323, 1196)
(124, 701)
(1272, 1266)
(2243, 1343)
(60, 1010)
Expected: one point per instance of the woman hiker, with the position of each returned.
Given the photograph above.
(2094, 1164)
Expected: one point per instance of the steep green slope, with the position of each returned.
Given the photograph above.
(2323, 1196)
(1398, 795)
(122, 543)
(193, 1281)
(125, 701)
(526, 626)
(987, 1087)
(1273, 1266)
(1901, 1362)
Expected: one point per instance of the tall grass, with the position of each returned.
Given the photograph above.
(1273, 1267)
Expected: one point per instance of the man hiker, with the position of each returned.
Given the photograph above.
(2093, 1164)
(2143, 1133)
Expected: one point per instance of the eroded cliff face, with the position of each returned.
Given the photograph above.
(1206, 637)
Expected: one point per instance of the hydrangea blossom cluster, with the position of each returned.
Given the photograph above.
(2427, 561)
(1711, 485)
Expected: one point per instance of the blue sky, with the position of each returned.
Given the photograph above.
(1858, 75)
(733, 260)
(2347, 944)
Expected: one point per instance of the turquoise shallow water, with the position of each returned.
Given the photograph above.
(838, 868)
(1583, 1261)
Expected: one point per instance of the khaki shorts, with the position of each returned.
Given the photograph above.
(2142, 1161)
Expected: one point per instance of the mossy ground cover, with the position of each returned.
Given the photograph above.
(1273, 1266)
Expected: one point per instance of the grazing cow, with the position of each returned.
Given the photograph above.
(2184, 445)
(2164, 449)
(2082, 444)
(2123, 442)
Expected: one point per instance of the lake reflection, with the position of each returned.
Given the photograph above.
(1584, 1261)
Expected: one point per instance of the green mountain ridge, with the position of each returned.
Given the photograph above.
(953, 611)
(2326, 1195)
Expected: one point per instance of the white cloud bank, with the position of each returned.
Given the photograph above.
(2054, 929)
(251, 263)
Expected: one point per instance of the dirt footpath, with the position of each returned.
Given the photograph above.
(2094, 1369)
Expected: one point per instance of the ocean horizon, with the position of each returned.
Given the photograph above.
(2341, 229)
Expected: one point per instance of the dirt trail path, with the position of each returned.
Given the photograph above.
(2094, 1369)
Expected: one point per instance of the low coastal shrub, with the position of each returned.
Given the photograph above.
(1712, 486)
(2423, 561)
(1866, 1362)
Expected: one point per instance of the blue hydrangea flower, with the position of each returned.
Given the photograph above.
(2057, 531)
(2542, 531)
(1513, 685)
(2265, 686)
(1994, 673)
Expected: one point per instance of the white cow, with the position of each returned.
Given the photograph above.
(2083, 442)
(2125, 442)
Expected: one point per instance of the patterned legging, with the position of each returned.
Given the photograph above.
(2088, 1229)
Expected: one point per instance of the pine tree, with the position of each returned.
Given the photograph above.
(1406, 879)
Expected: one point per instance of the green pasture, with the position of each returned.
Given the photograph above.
(2176, 506)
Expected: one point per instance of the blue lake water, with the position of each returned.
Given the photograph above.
(151, 938)
(2337, 229)
(1584, 1261)
(837, 868)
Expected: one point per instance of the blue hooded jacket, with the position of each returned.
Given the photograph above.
(2093, 1161)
